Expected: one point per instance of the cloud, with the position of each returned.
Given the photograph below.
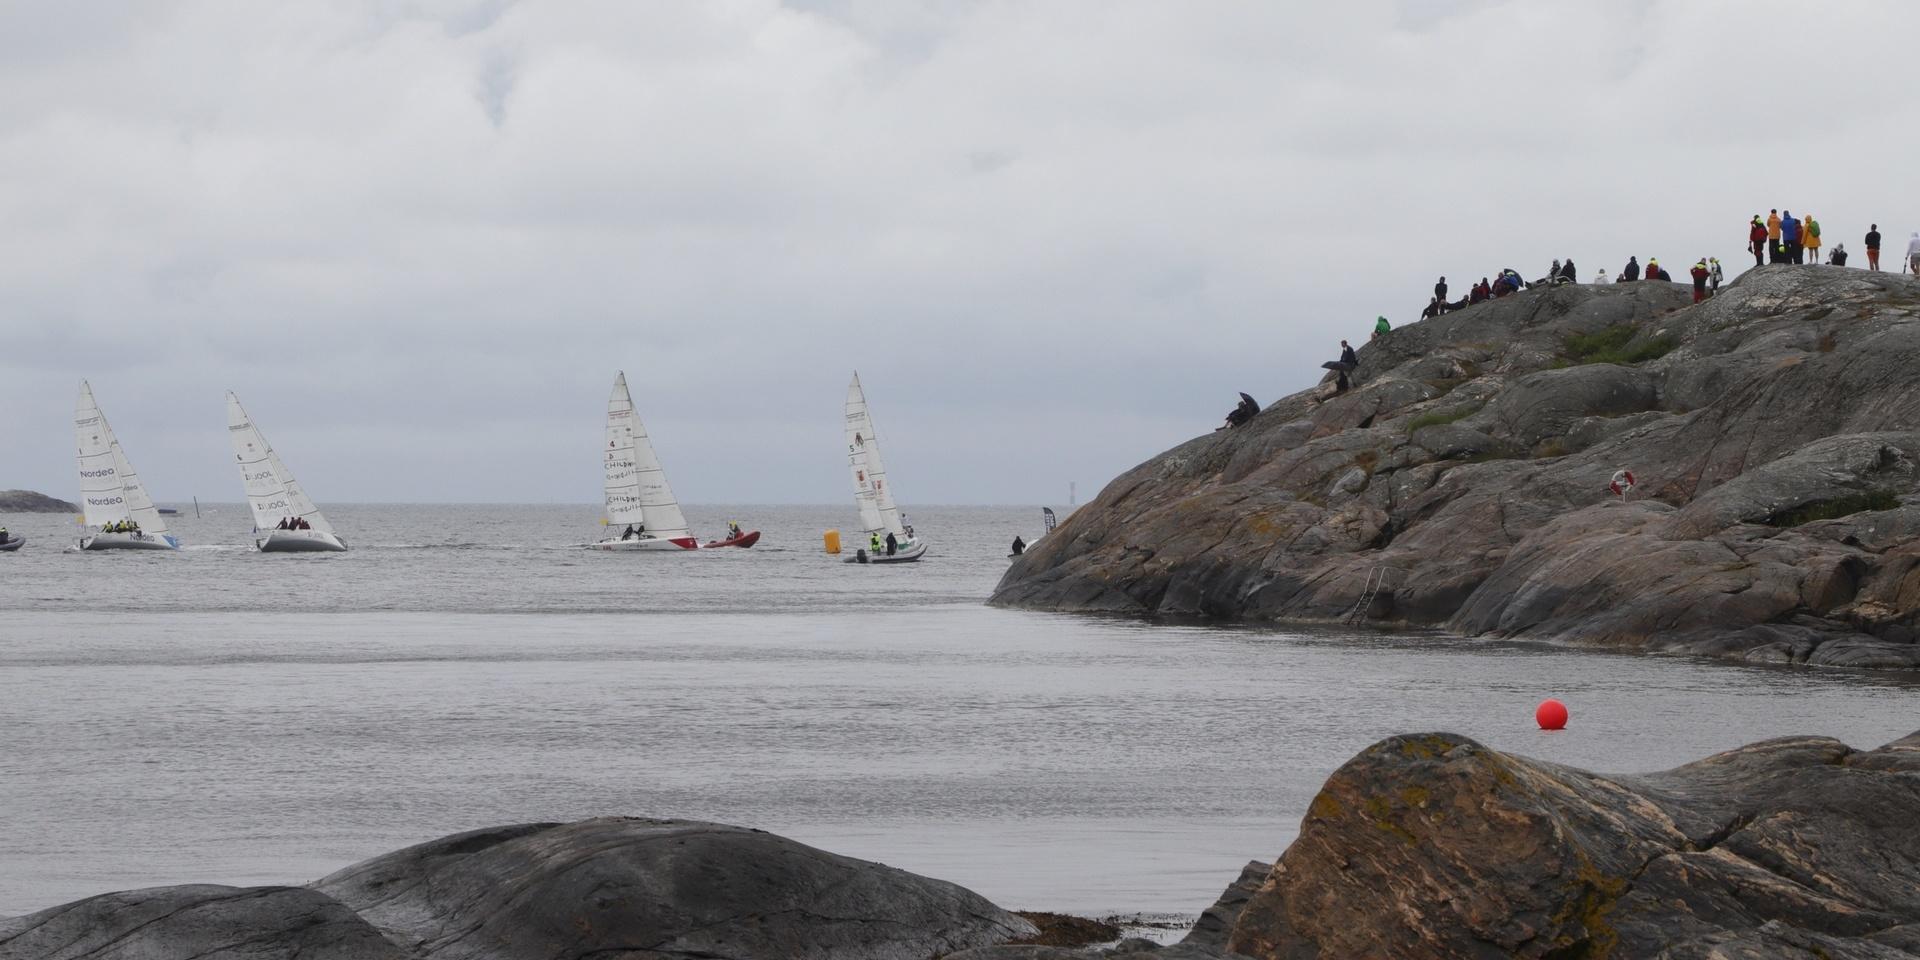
(1055, 238)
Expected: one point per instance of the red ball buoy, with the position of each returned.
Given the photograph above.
(1551, 714)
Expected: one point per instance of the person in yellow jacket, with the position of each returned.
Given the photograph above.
(1773, 228)
(1810, 238)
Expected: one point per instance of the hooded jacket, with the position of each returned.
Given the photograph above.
(1773, 226)
(1790, 230)
(1810, 229)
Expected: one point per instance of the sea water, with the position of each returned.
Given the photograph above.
(223, 716)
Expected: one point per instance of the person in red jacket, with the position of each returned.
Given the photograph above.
(1757, 240)
(1700, 273)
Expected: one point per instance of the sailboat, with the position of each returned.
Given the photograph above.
(278, 501)
(879, 517)
(639, 502)
(110, 491)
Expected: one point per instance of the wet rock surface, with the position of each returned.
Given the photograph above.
(1774, 432)
(200, 921)
(624, 888)
(1433, 846)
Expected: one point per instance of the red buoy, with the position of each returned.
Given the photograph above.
(1551, 714)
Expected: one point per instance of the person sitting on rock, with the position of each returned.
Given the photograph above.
(1242, 412)
(1839, 255)
(1381, 327)
(1568, 274)
(1601, 279)
(1019, 545)
(1432, 310)
(1631, 271)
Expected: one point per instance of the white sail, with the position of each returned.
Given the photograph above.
(637, 490)
(272, 493)
(109, 488)
(870, 490)
(100, 492)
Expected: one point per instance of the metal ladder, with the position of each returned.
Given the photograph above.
(1376, 578)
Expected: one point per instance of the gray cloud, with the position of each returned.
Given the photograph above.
(418, 239)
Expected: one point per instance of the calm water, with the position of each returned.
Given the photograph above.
(228, 717)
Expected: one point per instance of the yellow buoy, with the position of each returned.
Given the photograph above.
(833, 541)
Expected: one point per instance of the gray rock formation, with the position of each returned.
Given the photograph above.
(1126, 949)
(201, 922)
(657, 889)
(1216, 922)
(611, 888)
(1774, 432)
(27, 501)
(1434, 846)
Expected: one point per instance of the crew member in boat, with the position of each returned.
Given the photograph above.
(906, 524)
(873, 542)
(3, 535)
(892, 544)
(733, 530)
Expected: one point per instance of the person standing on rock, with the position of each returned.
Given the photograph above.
(1773, 227)
(1873, 247)
(1810, 237)
(1440, 290)
(1913, 254)
(1757, 240)
(1714, 275)
(1700, 274)
(1347, 356)
(1790, 235)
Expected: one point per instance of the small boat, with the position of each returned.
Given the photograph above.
(12, 544)
(638, 498)
(110, 491)
(285, 519)
(168, 511)
(879, 517)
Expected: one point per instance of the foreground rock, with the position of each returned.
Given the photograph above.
(201, 922)
(1774, 432)
(613, 888)
(1434, 846)
(27, 501)
(644, 889)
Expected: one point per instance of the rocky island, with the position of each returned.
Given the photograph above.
(27, 501)
(1463, 482)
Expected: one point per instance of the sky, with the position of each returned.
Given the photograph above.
(419, 238)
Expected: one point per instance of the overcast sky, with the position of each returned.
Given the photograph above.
(419, 238)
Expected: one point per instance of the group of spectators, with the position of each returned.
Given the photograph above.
(1782, 238)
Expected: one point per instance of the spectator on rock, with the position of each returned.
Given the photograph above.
(1790, 235)
(1839, 256)
(1773, 227)
(1873, 247)
(1381, 327)
(1440, 289)
(1810, 237)
(1913, 254)
(1631, 271)
(1714, 275)
(1700, 274)
(1600, 279)
(1757, 240)
(1567, 273)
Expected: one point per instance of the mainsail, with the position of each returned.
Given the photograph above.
(109, 488)
(870, 491)
(637, 488)
(272, 493)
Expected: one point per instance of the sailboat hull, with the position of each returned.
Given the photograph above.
(298, 541)
(646, 543)
(127, 541)
(906, 553)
